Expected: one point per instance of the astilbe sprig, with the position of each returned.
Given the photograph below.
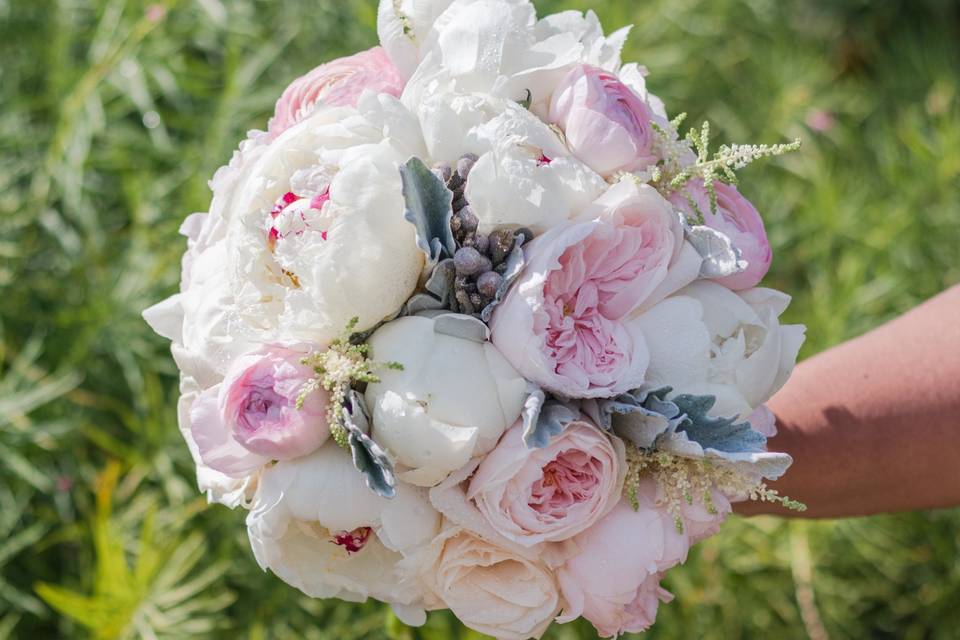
(675, 170)
(683, 480)
(346, 363)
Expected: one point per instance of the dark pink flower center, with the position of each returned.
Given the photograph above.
(352, 541)
(285, 201)
(569, 479)
(598, 283)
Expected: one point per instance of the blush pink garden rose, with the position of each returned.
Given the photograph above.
(551, 494)
(251, 417)
(489, 587)
(606, 124)
(737, 218)
(561, 324)
(615, 580)
(337, 83)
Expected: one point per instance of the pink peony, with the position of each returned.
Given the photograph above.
(550, 494)
(614, 581)
(737, 218)
(560, 324)
(252, 417)
(606, 124)
(336, 83)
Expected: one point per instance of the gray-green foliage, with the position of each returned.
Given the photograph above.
(112, 121)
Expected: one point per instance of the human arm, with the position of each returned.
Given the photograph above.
(873, 424)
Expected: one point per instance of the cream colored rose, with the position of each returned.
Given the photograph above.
(488, 587)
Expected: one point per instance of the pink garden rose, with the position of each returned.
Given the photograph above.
(551, 494)
(251, 417)
(606, 124)
(737, 218)
(336, 83)
(561, 325)
(614, 581)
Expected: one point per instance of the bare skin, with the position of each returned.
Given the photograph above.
(873, 424)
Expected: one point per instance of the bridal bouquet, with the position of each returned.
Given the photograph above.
(472, 326)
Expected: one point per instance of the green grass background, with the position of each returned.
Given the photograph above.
(112, 118)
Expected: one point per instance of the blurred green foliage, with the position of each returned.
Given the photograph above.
(116, 112)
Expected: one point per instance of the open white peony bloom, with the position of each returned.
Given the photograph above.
(709, 340)
(598, 50)
(351, 254)
(525, 175)
(316, 525)
(452, 401)
(493, 46)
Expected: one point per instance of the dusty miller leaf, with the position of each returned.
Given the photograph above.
(720, 434)
(544, 418)
(429, 209)
(368, 457)
(638, 416)
(720, 257)
(461, 326)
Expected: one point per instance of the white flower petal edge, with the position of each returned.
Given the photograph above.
(359, 258)
(301, 504)
(403, 25)
(709, 340)
(525, 175)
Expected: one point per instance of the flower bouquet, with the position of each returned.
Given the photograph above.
(471, 326)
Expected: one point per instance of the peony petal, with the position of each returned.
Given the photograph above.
(166, 318)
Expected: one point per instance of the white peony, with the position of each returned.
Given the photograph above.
(357, 257)
(493, 46)
(452, 401)
(709, 340)
(525, 175)
(316, 525)
(402, 25)
(598, 50)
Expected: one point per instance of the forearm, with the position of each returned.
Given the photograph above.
(873, 425)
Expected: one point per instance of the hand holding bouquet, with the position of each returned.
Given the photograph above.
(471, 326)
